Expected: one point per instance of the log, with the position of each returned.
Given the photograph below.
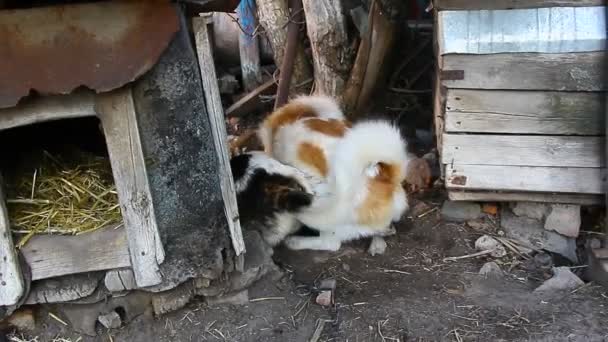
(326, 27)
(249, 48)
(274, 16)
(287, 64)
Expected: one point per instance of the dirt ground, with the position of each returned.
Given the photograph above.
(407, 294)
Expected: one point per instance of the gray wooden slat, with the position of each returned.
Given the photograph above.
(523, 150)
(525, 112)
(55, 255)
(48, 108)
(11, 280)
(501, 196)
(525, 178)
(220, 137)
(510, 4)
(117, 113)
(583, 71)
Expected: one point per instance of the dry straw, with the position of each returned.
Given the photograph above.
(64, 198)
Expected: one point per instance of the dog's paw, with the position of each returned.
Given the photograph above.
(377, 246)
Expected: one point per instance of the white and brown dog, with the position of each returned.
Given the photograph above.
(361, 168)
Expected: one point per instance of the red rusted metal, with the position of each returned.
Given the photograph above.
(102, 46)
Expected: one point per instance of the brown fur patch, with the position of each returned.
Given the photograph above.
(331, 127)
(377, 206)
(288, 114)
(313, 156)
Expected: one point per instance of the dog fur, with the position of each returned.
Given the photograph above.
(361, 166)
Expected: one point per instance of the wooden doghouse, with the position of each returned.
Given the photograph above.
(519, 102)
(139, 62)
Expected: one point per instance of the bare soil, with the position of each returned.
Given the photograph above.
(407, 294)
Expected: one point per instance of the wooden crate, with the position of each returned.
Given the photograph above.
(521, 126)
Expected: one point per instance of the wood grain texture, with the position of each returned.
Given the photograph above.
(252, 101)
(496, 196)
(249, 47)
(52, 255)
(76, 105)
(525, 178)
(117, 113)
(511, 4)
(120, 280)
(326, 27)
(523, 150)
(218, 126)
(63, 289)
(11, 281)
(525, 112)
(582, 71)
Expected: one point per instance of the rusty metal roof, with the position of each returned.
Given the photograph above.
(102, 46)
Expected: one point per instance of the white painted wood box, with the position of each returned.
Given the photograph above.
(520, 99)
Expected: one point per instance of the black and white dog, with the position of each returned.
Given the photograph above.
(269, 194)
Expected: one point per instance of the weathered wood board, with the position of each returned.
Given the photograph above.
(218, 126)
(53, 255)
(526, 178)
(583, 71)
(511, 4)
(76, 105)
(11, 280)
(120, 280)
(525, 112)
(495, 196)
(523, 150)
(117, 114)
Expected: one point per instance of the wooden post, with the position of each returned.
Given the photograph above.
(117, 113)
(274, 16)
(218, 126)
(328, 36)
(249, 48)
(11, 281)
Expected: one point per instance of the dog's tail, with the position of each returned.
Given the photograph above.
(371, 160)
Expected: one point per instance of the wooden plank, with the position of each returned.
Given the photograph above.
(525, 178)
(11, 280)
(55, 255)
(511, 4)
(494, 196)
(120, 280)
(218, 126)
(63, 289)
(249, 48)
(525, 112)
(523, 150)
(48, 108)
(582, 71)
(439, 93)
(117, 114)
(251, 101)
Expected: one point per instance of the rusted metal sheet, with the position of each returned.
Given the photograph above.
(102, 46)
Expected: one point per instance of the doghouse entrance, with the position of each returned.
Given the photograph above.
(58, 179)
(76, 195)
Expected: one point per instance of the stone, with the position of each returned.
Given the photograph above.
(377, 246)
(564, 219)
(346, 267)
(237, 298)
(490, 208)
(63, 289)
(111, 320)
(595, 243)
(164, 302)
(460, 211)
(491, 269)
(563, 280)
(531, 231)
(328, 284)
(23, 319)
(531, 210)
(324, 298)
(487, 243)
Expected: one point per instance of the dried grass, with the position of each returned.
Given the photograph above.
(64, 198)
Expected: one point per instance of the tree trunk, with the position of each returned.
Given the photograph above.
(328, 36)
(274, 16)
